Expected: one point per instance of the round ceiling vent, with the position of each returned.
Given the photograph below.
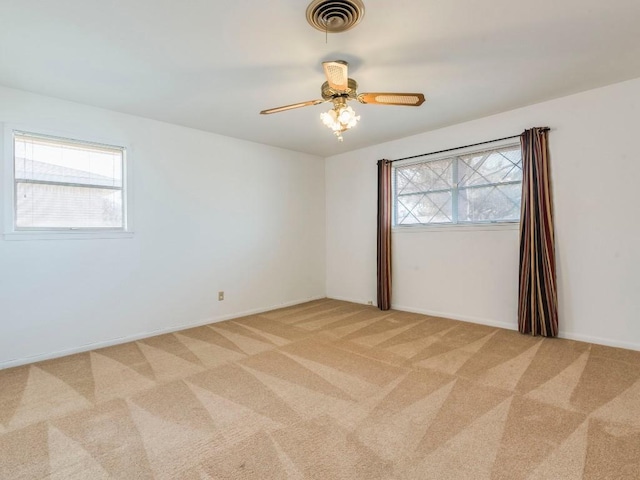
(335, 16)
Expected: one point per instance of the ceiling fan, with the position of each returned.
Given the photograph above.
(339, 89)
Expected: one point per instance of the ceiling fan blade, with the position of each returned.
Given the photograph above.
(337, 73)
(390, 98)
(291, 107)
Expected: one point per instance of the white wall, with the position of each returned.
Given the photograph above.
(211, 213)
(215, 213)
(472, 275)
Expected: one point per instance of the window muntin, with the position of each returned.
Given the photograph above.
(478, 187)
(62, 184)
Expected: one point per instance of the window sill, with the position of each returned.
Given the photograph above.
(66, 235)
(476, 227)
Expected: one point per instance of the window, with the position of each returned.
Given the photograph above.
(67, 185)
(477, 187)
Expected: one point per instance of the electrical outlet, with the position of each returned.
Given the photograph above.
(220, 296)
(369, 302)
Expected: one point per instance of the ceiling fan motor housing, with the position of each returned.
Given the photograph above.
(351, 93)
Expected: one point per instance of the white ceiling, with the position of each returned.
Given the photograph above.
(213, 65)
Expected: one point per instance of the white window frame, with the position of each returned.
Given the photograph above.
(11, 232)
(463, 226)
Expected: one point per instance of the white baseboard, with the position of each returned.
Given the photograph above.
(131, 338)
(599, 340)
(462, 318)
(351, 300)
(152, 333)
(506, 325)
(432, 313)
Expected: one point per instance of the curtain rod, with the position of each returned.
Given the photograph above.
(544, 129)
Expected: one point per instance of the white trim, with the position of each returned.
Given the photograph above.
(7, 131)
(139, 336)
(514, 326)
(506, 325)
(66, 235)
(6, 174)
(360, 301)
(599, 341)
(432, 313)
(152, 333)
(457, 227)
(461, 318)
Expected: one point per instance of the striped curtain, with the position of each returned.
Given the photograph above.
(538, 299)
(384, 234)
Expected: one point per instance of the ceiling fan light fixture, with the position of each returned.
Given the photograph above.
(340, 119)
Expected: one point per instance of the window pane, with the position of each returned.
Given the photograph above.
(62, 206)
(492, 166)
(424, 208)
(424, 177)
(61, 161)
(476, 187)
(63, 183)
(494, 203)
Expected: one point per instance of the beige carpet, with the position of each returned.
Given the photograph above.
(327, 390)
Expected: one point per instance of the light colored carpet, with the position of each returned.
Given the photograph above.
(327, 390)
